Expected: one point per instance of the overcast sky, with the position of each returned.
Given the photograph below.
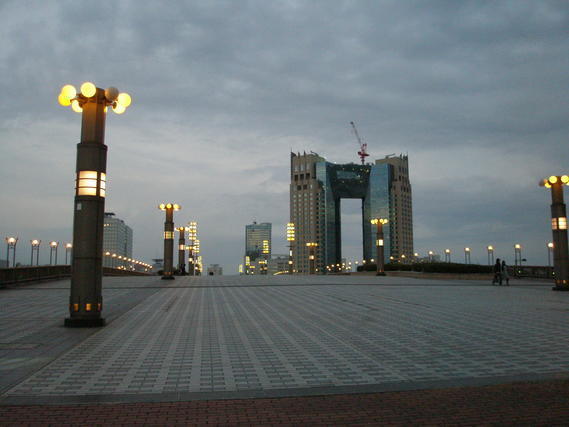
(476, 92)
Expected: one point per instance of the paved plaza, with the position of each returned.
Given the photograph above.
(203, 338)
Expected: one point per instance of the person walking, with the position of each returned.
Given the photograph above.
(497, 273)
(505, 275)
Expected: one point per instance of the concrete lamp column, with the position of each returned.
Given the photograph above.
(379, 245)
(182, 251)
(86, 301)
(312, 257)
(290, 237)
(559, 231)
(169, 208)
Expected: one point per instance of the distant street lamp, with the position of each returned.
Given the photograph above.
(114, 260)
(490, 250)
(549, 250)
(169, 208)
(559, 230)
(11, 244)
(517, 254)
(192, 236)
(35, 247)
(53, 245)
(290, 236)
(182, 250)
(467, 255)
(431, 253)
(312, 257)
(68, 247)
(86, 299)
(379, 245)
(447, 255)
(415, 256)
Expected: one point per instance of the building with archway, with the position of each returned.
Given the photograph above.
(317, 188)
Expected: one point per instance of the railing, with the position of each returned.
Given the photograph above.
(51, 272)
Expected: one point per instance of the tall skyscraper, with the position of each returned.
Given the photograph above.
(316, 190)
(117, 238)
(257, 236)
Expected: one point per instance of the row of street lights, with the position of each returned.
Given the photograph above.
(121, 262)
(195, 264)
(35, 247)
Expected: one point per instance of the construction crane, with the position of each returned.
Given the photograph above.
(363, 146)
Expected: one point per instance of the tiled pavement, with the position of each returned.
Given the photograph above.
(235, 337)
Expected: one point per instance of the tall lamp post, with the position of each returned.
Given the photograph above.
(68, 247)
(447, 255)
(431, 254)
(549, 250)
(53, 249)
(490, 250)
(290, 236)
(467, 255)
(266, 252)
(11, 243)
(559, 230)
(379, 245)
(517, 254)
(169, 208)
(192, 236)
(35, 247)
(312, 257)
(86, 300)
(182, 250)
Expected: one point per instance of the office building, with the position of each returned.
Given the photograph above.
(258, 241)
(316, 190)
(117, 239)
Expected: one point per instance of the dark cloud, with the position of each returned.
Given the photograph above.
(475, 92)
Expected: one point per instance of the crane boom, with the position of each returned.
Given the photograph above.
(363, 146)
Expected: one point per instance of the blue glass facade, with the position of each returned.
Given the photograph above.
(371, 184)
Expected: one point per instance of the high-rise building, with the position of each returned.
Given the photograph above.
(258, 241)
(316, 190)
(117, 238)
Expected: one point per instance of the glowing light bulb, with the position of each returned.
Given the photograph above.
(124, 99)
(88, 89)
(76, 107)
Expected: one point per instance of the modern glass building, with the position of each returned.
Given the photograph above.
(316, 191)
(117, 239)
(258, 240)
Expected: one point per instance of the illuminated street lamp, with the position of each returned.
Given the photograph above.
(312, 257)
(114, 260)
(35, 247)
(169, 208)
(182, 250)
(192, 236)
(517, 254)
(379, 245)
(490, 250)
(68, 247)
(86, 300)
(415, 256)
(467, 255)
(431, 253)
(549, 250)
(447, 255)
(290, 237)
(11, 243)
(559, 230)
(53, 249)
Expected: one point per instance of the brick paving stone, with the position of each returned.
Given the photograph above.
(536, 403)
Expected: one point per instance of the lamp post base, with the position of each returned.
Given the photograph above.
(84, 323)
(381, 273)
(168, 278)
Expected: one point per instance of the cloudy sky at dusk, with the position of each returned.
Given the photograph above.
(476, 92)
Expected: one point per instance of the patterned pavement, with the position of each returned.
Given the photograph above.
(200, 337)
